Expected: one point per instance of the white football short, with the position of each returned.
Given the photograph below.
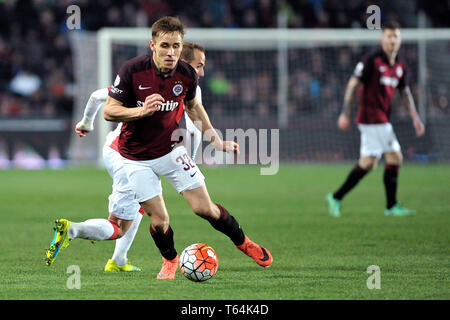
(377, 139)
(176, 166)
(122, 202)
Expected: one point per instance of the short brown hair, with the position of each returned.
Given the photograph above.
(167, 24)
(390, 25)
(188, 51)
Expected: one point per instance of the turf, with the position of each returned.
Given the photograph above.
(315, 256)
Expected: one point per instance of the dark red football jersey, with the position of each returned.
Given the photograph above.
(150, 137)
(379, 81)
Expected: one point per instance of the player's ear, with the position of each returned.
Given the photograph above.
(152, 45)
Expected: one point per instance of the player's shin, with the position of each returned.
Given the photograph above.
(352, 180)
(228, 225)
(164, 242)
(390, 184)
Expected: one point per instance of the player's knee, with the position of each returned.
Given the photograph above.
(368, 164)
(121, 233)
(160, 226)
(204, 210)
(399, 159)
(123, 228)
(394, 158)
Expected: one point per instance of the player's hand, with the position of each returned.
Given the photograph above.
(419, 127)
(343, 122)
(81, 133)
(228, 146)
(83, 128)
(152, 104)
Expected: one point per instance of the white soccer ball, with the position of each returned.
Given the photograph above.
(199, 262)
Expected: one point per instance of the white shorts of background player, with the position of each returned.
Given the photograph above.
(377, 139)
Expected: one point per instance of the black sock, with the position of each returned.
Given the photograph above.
(352, 180)
(228, 225)
(164, 242)
(390, 184)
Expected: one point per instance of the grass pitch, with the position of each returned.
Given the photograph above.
(315, 256)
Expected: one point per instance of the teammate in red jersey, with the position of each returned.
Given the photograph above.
(147, 94)
(380, 73)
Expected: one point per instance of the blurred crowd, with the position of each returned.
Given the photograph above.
(36, 66)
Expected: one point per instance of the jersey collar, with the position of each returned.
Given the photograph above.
(386, 58)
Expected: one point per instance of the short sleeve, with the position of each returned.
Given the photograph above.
(191, 92)
(363, 69)
(403, 82)
(122, 89)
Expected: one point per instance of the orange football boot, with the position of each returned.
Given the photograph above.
(261, 255)
(168, 269)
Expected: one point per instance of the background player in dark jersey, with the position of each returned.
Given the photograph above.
(380, 73)
(146, 96)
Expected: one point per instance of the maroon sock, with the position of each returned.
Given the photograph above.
(228, 225)
(390, 178)
(352, 180)
(164, 242)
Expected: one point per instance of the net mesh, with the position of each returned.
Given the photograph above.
(241, 89)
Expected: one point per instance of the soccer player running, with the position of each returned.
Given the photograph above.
(123, 208)
(380, 73)
(146, 96)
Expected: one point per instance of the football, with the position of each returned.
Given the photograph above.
(199, 262)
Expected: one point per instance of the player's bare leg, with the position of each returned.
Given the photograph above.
(368, 162)
(123, 225)
(162, 235)
(394, 158)
(390, 179)
(201, 203)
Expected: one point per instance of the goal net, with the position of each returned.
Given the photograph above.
(282, 79)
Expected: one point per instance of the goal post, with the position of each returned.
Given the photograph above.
(298, 88)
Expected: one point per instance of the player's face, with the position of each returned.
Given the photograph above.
(199, 62)
(166, 49)
(391, 40)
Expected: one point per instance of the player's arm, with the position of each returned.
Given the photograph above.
(409, 100)
(116, 111)
(95, 102)
(198, 115)
(344, 117)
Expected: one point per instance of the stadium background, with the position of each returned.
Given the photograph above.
(39, 89)
(315, 255)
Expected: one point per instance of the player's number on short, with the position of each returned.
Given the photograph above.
(186, 162)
